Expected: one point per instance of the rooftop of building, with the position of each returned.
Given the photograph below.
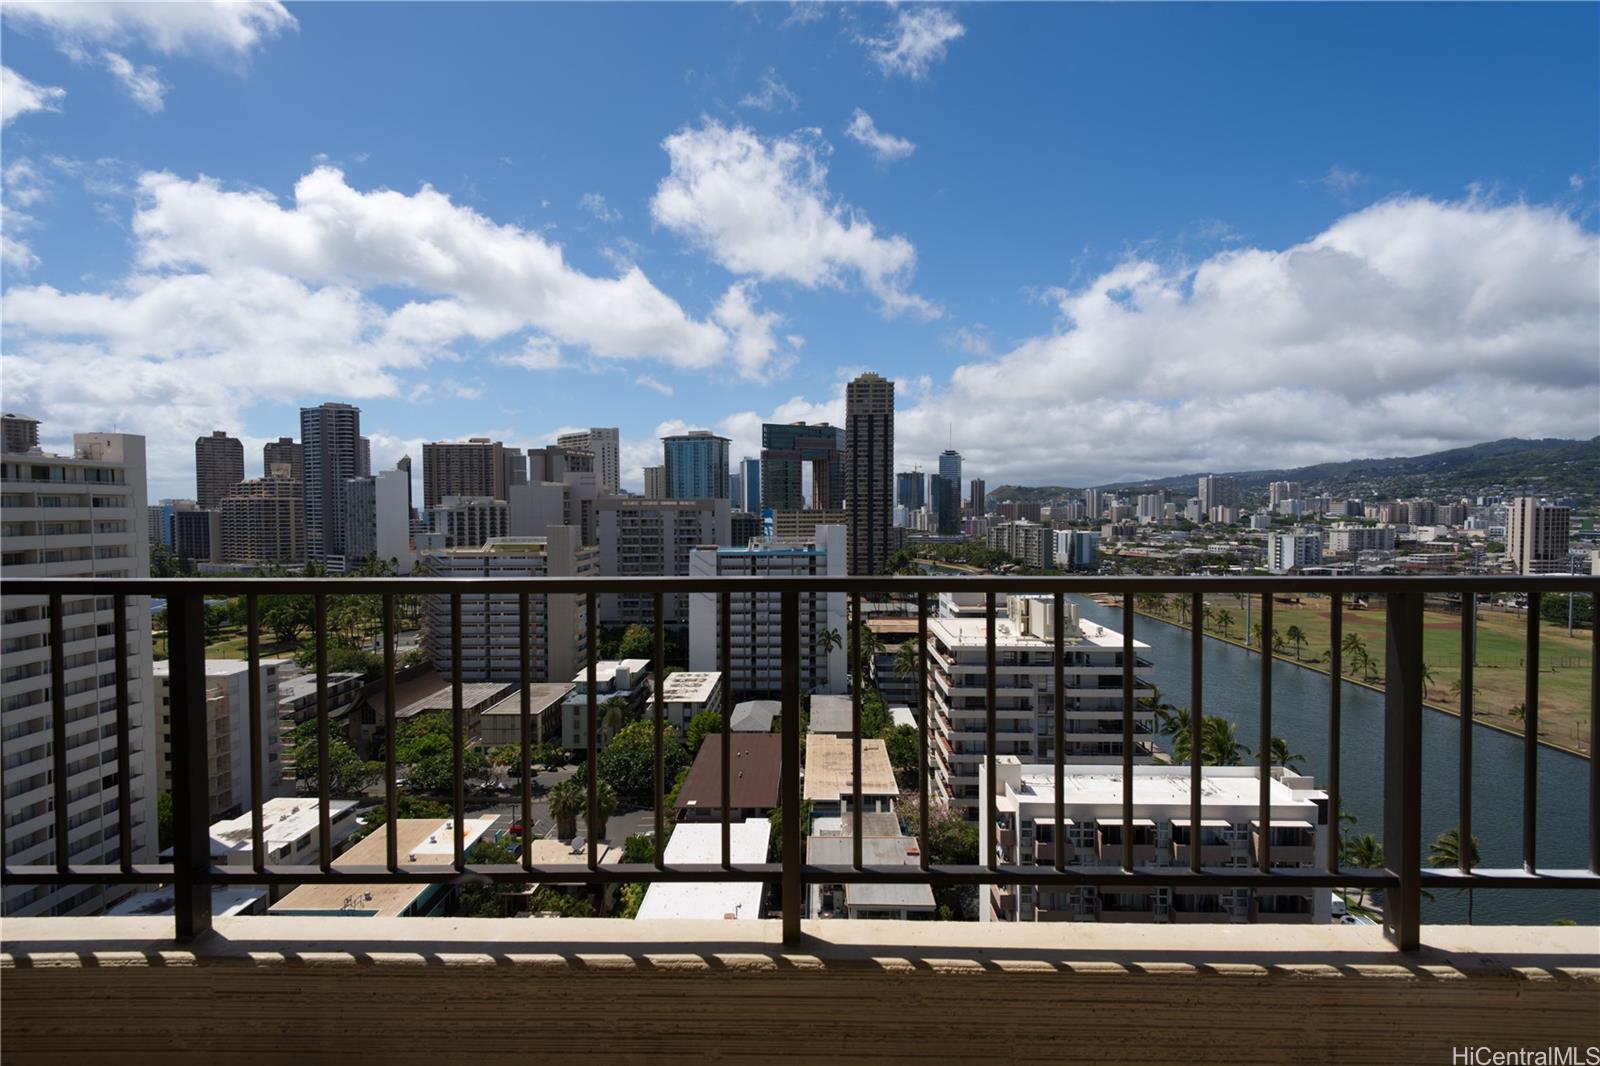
(830, 714)
(700, 843)
(829, 765)
(873, 824)
(969, 632)
(875, 851)
(687, 686)
(755, 716)
(306, 684)
(606, 673)
(218, 667)
(575, 853)
(284, 820)
(1222, 788)
(420, 841)
(755, 767)
(541, 696)
(226, 901)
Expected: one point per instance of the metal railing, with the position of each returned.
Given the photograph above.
(192, 873)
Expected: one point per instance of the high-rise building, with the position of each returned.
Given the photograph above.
(284, 450)
(197, 535)
(785, 451)
(1092, 837)
(749, 498)
(104, 477)
(491, 648)
(475, 467)
(21, 433)
(470, 521)
(1077, 549)
(653, 538)
(655, 483)
(950, 466)
(911, 490)
(391, 519)
(364, 457)
(360, 521)
(228, 733)
(218, 466)
(744, 527)
(1025, 636)
(605, 443)
(757, 649)
(945, 503)
(979, 501)
(696, 465)
(330, 437)
(1293, 551)
(1028, 542)
(1537, 536)
(1278, 491)
(869, 447)
(1217, 490)
(263, 520)
(1093, 503)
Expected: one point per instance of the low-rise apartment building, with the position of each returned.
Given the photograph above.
(688, 693)
(627, 679)
(1025, 691)
(228, 731)
(831, 843)
(1229, 834)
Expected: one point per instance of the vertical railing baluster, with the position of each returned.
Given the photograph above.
(119, 606)
(458, 729)
(252, 644)
(1469, 636)
(191, 805)
(391, 801)
(1197, 647)
(992, 808)
(660, 694)
(855, 728)
(324, 761)
(58, 729)
(1129, 660)
(922, 727)
(1530, 742)
(1594, 736)
(725, 661)
(1060, 835)
(789, 634)
(1402, 768)
(592, 709)
(1264, 769)
(525, 676)
(1335, 730)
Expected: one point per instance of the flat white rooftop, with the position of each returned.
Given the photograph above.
(691, 687)
(1160, 788)
(969, 632)
(284, 820)
(701, 843)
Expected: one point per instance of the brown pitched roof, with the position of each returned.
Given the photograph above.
(753, 772)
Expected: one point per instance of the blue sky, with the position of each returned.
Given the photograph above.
(1089, 242)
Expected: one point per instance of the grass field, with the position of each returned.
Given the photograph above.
(231, 646)
(1498, 678)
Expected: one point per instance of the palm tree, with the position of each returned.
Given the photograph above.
(1282, 756)
(1427, 679)
(1225, 620)
(567, 801)
(1366, 852)
(1355, 653)
(1182, 604)
(1519, 712)
(1255, 635)
(1219, 742)
(828, 641)
(907, 657)
(613, 716)
(1297, 637)
(1445, 852)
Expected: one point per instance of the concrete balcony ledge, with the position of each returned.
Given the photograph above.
(412, 989)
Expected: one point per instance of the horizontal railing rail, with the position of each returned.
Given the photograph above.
(193, 874)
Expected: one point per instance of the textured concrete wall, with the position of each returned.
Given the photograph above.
(364, 990)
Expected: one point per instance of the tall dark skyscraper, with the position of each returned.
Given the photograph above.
(330, 440)
(785, 450)
(218, 467)
(284, 450)
(980, 497)
(911, 490)
(869, 450)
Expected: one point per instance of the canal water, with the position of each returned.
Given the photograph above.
(1300, 715)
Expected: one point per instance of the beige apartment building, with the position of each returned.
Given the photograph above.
(218, 467)
(1537, 536)
(263, 520)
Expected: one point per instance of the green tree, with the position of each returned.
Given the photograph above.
(486, 900)
(907, 658)
(1445, 853)
(901, 743)
(1225, 620)
(553, 901)
(567, 801)
(1219, 742)
(348, 774)
(639, 848)
(952, 840)
(628, 763)
(701, 726)
(164, 820)
(876, 721)
(1427, 679)
(827, 641)
(1366, 853)
(629, 899)
(1297, 637)
(638, 642)
(1282, 756)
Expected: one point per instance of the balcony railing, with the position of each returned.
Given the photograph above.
(193, 874)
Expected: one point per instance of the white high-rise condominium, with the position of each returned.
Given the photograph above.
(330, 438)
(756, 640)
(1025, 713)
(605, 443)
(1537, 536)
(653, 538)
(75, 515)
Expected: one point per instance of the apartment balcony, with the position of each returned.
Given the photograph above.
(1044, 851)
(1291, 843)
(412, 988)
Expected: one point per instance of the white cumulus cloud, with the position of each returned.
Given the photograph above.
(919, 38)
(762, 208)
(773, 95)
(143, 83)
(1408, 326)
(885, 146)
(18, 96)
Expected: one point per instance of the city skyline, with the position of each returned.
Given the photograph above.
(1326, 287)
